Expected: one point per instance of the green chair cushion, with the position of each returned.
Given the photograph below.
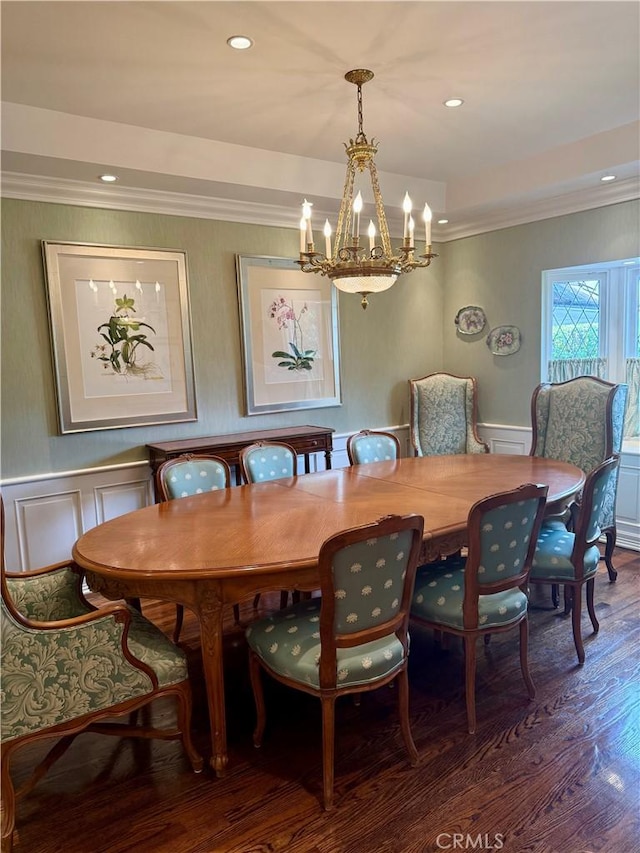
(438, 597)
(552, 559)
(151, 646)
(48, 597)
(289, 643)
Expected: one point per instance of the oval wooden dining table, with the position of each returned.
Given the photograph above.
(224, 546)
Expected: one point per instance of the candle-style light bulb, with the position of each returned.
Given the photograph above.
(427, 216)
(357, 207)
(406, 206)
(303, 231)
(412, 226)
(327, 238)
(371, 231)
(306, 215)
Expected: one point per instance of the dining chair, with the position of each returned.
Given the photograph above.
(581, 421)
(486, 593)
(262, 462)
(186, 475)
(354, 637)
(571, 557)
(372, 446)
(444, 415)
(68, 668)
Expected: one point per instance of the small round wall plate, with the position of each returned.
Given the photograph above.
(470, 320)
(504, 340)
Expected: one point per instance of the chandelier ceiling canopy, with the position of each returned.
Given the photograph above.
(352, 267)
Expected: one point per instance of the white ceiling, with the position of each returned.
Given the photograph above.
(151, 91)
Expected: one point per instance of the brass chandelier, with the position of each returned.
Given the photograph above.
(354, 268)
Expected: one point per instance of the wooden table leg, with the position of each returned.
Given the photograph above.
(210, 615)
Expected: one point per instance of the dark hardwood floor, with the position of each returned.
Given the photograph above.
(559, 774)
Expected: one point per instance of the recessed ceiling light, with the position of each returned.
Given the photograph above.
(606, 178)
(109, 179)
(453, 102)
(442, 221)
(240, 42)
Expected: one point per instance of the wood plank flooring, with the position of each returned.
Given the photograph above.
(559, 774)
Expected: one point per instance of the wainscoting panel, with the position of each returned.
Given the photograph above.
(118, 498)
(47, 527)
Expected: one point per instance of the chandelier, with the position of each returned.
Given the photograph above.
(354, 268)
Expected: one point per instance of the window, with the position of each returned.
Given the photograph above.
(591, 326)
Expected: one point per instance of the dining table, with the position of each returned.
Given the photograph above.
(221, 547)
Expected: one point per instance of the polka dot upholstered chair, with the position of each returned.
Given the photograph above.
(191, 474)
(267, 460)
(68, 667)
(571, 558)
(262, 462)
(444, 413)
(372, 446)
(487, 593)
(187, 475)
(354, 637)
(582, 421)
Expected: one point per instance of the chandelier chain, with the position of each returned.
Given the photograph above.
(361, 135)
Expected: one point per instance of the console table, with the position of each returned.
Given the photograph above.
(304, 440)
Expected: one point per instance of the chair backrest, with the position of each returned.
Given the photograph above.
(367, 576)
(503, 531)
(372, 446)
(444, 414)
(191, 474)
(580, 421)
(267, 460)
(590, 517)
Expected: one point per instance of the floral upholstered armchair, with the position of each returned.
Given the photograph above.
(581, 421)
(444, 415)
(67, 667)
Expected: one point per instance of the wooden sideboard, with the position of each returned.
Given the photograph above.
(304, 440)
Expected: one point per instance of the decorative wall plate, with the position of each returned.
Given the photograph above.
(470, 320)
(504, 340)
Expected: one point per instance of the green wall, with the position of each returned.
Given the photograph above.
(406, 332)
(399, 336)
(502, 272)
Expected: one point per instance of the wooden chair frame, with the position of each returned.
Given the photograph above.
(330, 641)
(474, 588)
(580, 523)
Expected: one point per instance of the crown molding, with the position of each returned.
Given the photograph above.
(479, 221)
